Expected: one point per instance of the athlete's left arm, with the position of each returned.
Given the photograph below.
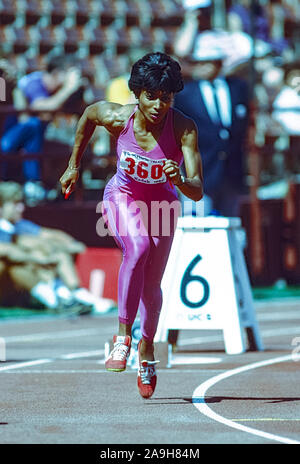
(192, 185)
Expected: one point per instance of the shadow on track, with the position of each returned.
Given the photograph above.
(217, 399)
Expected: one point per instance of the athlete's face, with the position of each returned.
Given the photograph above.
(155, 105)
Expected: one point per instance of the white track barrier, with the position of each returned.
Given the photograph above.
(206, 283)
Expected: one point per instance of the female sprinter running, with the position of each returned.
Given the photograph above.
(153, 139)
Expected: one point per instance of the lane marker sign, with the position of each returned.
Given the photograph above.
(206, 283)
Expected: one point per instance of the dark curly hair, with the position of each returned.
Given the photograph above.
(156, 71)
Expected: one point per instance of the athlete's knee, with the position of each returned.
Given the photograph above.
(137, 251)
(142, 250)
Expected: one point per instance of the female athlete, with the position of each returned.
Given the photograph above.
(153, 140)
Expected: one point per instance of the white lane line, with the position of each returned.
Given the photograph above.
(52, 335)
(92, 331)
(281, 331)
(25, 364)
(280, 316)
(217, 338)
(200, 393)
(82, 354)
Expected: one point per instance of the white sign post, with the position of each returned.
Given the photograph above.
(206, 283)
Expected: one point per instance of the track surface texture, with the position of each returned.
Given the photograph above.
(55, 390)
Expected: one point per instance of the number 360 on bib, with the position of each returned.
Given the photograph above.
(142, 168)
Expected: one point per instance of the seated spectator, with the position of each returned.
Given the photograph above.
(41, 91)
(37, 263)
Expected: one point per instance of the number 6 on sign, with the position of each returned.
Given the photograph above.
(187, 279)
(220, 298)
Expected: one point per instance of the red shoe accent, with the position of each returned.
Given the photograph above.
(147, 377)
(117, 359)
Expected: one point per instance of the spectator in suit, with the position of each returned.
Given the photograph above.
(219, 107)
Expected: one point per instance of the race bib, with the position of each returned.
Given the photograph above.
(143, 169)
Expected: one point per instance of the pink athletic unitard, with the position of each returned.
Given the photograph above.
(142, 230)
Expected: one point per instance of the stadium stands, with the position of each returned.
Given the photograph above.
(104, 36)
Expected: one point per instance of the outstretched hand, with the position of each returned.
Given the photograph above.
(68, 181)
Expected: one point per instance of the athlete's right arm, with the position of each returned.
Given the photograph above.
(112, 116)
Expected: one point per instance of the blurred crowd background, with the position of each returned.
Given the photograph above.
(99, 40)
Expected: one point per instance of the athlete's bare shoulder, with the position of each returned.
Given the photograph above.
(112, 116)
(182, 121)
(183, 126)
